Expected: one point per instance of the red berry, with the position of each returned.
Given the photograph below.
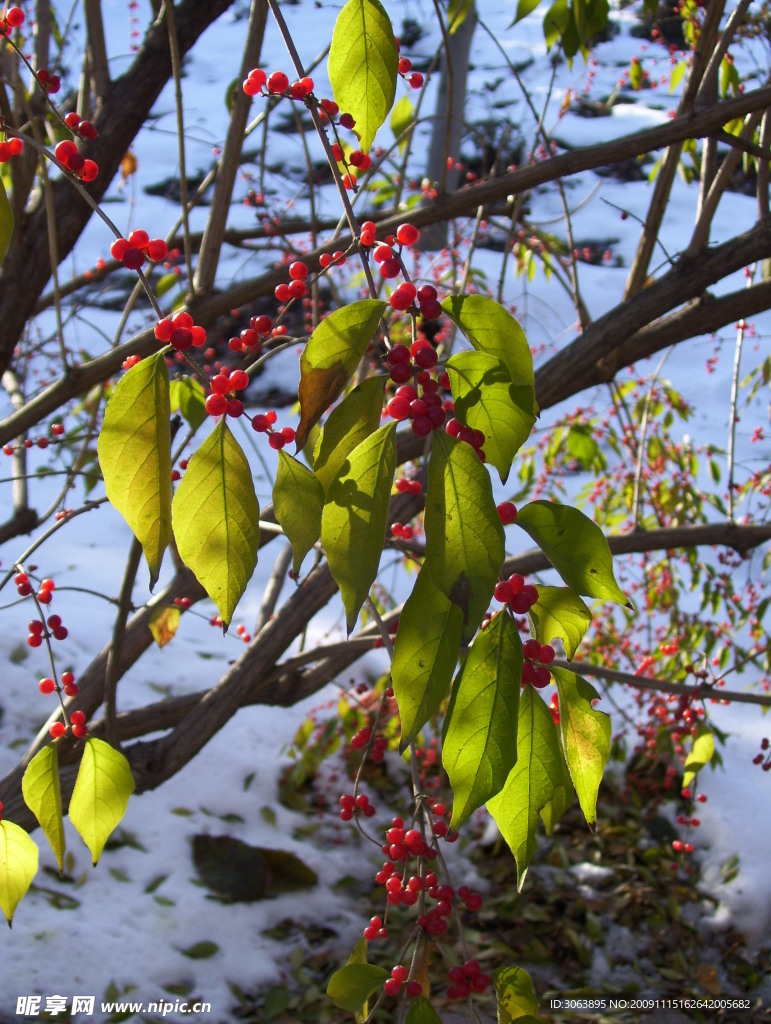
(216, 404)
(507, 511)
(277, 82)
(392, 987)
(46, 685)
(15, 17)
(407, 234)
(57, 730)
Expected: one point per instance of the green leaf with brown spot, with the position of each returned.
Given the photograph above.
(134, 450)
(163, 623)
(464, 535)
(331, 357)
(42, 794)
(585, 734)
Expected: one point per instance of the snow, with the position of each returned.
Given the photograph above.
(123, 934)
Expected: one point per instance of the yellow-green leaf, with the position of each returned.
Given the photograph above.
(426, 652)
(559, 614)
(355, 516)
(351, 986)
(701, 753)
(217, 519)
(6, 222)
(298, 499)
(402, 117)
(134, 450)
(363, 65)
(187, 396)
(585, 735)
(356, 417)
(100, 795)
(464, 536)
(515, 994)
(18, 866)
(330, 358)
(42, 794)
(163, 624)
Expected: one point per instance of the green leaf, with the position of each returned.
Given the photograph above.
(479, 745)
(6, 222)
(515, 994)
(532, 781)
(464, 535)
(575, 546)
(402, 117)
(422, 1012)
(100, 795)
(524, 7)
(559, 803)
(555, 22)
(42, 794)
(330, 358)
(166, 283)
(701, 753)
(163, 624)
(585, 736)
(492, 329)
(356, 417)
(351, 986)
(426, 651)
(216, 519)
(134, 450)
(355, 516)
(363, 65)
(559, 614)
(18, 866)
(187, 396)
(486, 399)
(457, 12)
(201, 950)
(298, 499)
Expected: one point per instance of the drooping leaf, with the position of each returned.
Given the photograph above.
(479, 745)
(363, 64)
(457, 12)
(330, 358)
(585, 735)
(559, 803)
(163, 624)
(187, 396)
(515, 994)
(426, 651)
(524, 7)
(298, 499)
(217, 519)
(42, 794)
(575, 546)
(134, 450)
(18, 866)
(356, 417)
(422, 1012)
(100, 795)
(532, 781)
(464, 535)
(559, 614)
(486, 399)
(701, 753)
(355, 516)
(492, 329)
(402, 117)
(6, 222)
(351, 986)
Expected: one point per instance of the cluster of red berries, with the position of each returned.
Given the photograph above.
(182, 603)
(468, 435)
(263, 422)
(537, 675)
(402, 531)
(296, 289)
(413, 78)
(38, 631)
(9, 148)
(180, 332)
(77, 724)
(378, 751)
(399, 975)
(69, 685)
(514, 592)
(250, 339)
(326, 259)
(131, 251)
(224, 387)
(426, 412)
(80, 126)
(466, 979)
(50, 83)
(57, 429)
(350, 804)
(764, 757)
(405, 486)
(554, 707)
(276, 83)
(363, 736)
(24, 587)
(14, 18)
(66, 152)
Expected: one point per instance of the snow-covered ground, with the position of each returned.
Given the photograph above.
(128, 922)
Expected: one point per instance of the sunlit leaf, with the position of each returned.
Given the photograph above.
(701, 753)
(355, 516)
(559, 614)
(356, 417)
(187, 396)
(100, 795)
(426, 651)
(515, 994)
(479, 745)
(457, 12)
(586, 735)
(135, 456)
(18, 866)
(330, 358)
(298, 499)
(464, 535)
(575, 546)
(42, 794)
(351, 986)
(363, 63)
(216, 519)
(402, 117)
(163, 624)
(6, 222)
